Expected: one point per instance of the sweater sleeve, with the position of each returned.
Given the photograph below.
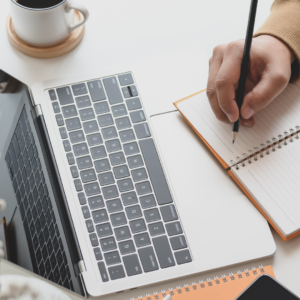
(284, 24)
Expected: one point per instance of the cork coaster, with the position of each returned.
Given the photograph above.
(72, 41)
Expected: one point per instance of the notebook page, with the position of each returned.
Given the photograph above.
(281, 115)
(273, 182)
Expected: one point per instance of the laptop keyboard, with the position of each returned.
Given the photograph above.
(130, 216)
(49, 259)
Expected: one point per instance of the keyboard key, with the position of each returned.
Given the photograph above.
(169, 213)
(86, 114)
(60, 120)
(94, 139)
(125, 185)
(137, 226)
(83, 101)
(122, 233)
(137, 116)
(126, 247)
(110, 192)
(142, 239)
(131, 148)
(109, 133)
(116, 272)
(73, 124)
(94, 239)
(108, 244)
(112, 258)
(69, 111)
(125, 79)
(148, 259)
(133, 104)
(96, 90)
(133, 91)
(101, 108)
(104, 230)
(102, 270)
(143, 188)
(98, 152)
(147, 201)
(84, 162)
(88, 175)
(100, 216)
(64, 95)
(112, 90)
(139, 174)
(79, 89)
(102, 165)
(183, 257)
(132, 265)
(156, 229)
(81, 198)
(142, 130)
(129, 198)
(121, 171)
(90, 127)
(70, 158)
(63, 132)
(89, 225)
(114, 205)
(105, 120)
(113, 145)
(155, 172)
(78, 185)
(56, 107)
(98, 254)
(178, 242)
(52, 95)
(163, 251)
(76, 136)
(86, 212)
(135, 161)
(117, 158)
(126, 92)
(106, 178)
(127, 135)
(96, 202)
(133, 212)
(80, 149)
(92, 189)
(119, 110)
(118, 219)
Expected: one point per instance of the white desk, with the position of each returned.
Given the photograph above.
(122, 31)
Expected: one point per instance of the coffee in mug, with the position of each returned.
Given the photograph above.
(45, 23)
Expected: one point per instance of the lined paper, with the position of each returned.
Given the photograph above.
(281, 115)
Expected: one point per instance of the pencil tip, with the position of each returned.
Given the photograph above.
(234, 135)
(233, 142)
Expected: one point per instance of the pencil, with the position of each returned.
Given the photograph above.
(244, 68)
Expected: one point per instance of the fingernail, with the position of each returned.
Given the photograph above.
(247, 113)
(247, 123)
(231, 118)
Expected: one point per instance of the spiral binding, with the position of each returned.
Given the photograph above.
(201, 284)
(270, 146)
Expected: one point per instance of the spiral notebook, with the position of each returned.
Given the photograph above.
(265, 160)
(225, 288)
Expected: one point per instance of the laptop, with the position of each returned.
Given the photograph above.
(106, 196)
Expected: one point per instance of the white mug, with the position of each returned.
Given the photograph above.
(46, 26)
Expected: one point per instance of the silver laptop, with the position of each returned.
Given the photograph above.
(103, 206)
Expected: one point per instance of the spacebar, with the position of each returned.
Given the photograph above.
(156, 172)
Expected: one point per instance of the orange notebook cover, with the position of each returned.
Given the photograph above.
(232, 175)
(225, 288)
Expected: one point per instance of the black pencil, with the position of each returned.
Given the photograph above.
(244, 67)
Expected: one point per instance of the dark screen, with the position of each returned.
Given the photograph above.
(37, 4)
(266, 288)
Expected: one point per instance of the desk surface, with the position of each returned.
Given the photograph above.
(122, 31)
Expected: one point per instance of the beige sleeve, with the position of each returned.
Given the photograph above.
(284, 24)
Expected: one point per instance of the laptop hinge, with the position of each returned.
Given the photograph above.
(38, 110)
(81, 266)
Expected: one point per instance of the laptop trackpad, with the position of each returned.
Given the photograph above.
(218, 219)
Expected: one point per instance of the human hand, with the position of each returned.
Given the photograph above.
(268, 75)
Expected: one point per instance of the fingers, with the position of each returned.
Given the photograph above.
(270, 86)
